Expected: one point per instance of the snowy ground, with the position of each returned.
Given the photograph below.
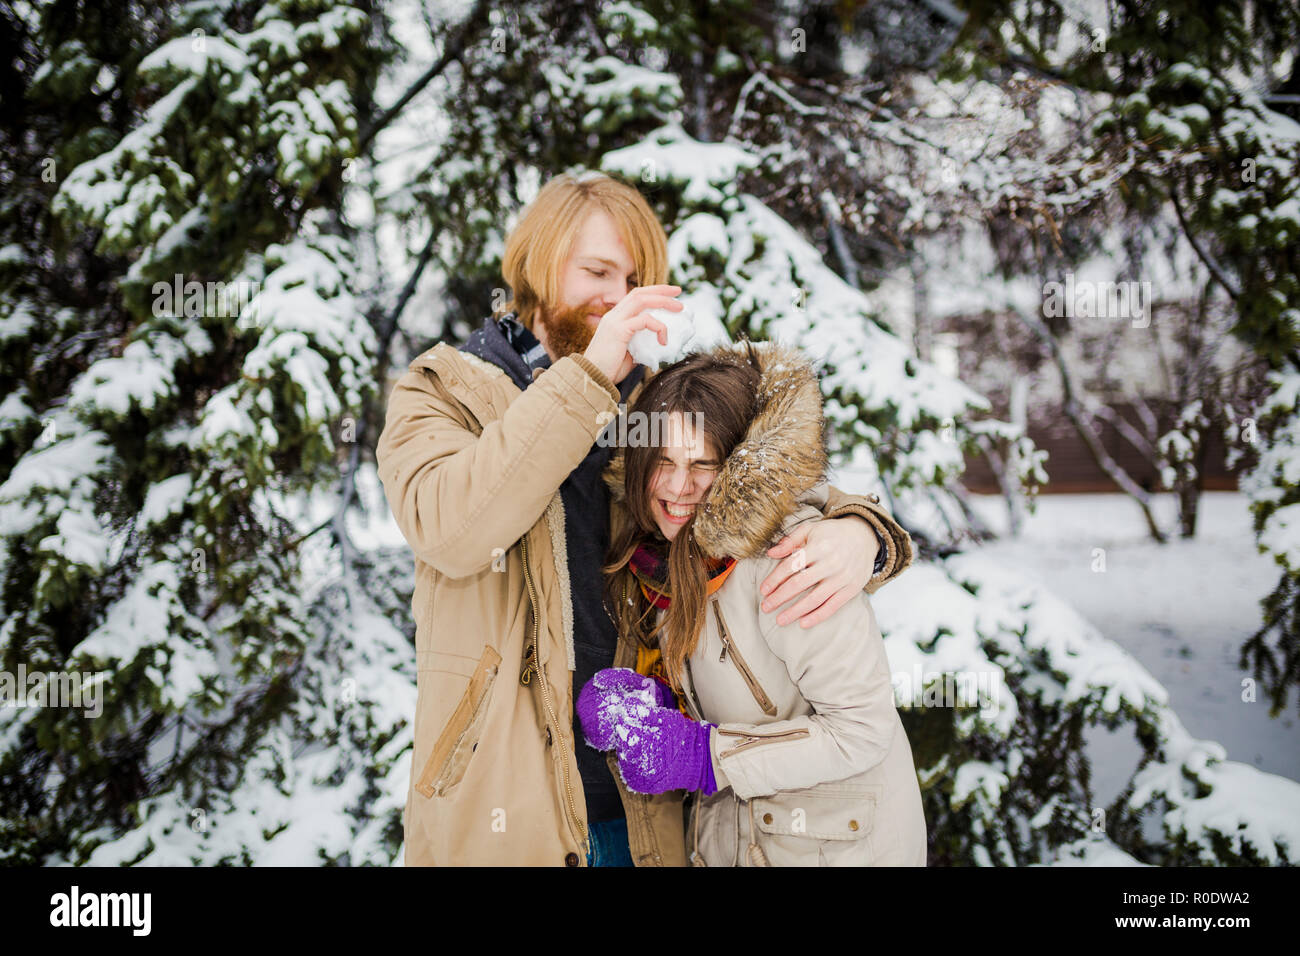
(1183, 609)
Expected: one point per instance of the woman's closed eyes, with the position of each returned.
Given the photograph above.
(699, 466)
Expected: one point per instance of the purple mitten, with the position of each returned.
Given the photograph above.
(664, 750)
(606, 700)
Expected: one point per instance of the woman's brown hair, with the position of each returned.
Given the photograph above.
(721, 390)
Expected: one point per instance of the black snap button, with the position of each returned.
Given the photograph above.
(571, 860)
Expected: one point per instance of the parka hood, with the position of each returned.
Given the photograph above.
(782, 455)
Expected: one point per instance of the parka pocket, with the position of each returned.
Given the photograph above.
(452, 750)
(817, 826)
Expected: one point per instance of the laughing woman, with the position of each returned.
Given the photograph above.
(787, 736)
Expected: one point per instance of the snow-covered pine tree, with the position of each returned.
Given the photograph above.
(186, 360)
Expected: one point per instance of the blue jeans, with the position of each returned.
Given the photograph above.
(609, 846)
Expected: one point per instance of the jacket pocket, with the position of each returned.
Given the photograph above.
(818, 826)
(459, 738)
(729, 648)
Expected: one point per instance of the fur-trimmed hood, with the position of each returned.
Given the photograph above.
(782, 455)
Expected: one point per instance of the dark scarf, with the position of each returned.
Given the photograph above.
(649, 565)
(510, 347)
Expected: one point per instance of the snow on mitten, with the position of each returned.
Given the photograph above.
(612, 697)
(665, 750)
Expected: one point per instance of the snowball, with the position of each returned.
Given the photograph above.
(644, 346)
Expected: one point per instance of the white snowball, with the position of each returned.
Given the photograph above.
(644, 346)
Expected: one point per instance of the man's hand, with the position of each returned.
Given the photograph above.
(826, 562)
(608, 347)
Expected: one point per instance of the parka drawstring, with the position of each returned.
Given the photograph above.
(756, 855)
(696, 858)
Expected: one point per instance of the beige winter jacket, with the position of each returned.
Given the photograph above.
(812, 762)
(471, 467)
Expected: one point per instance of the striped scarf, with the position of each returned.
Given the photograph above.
(650, 568)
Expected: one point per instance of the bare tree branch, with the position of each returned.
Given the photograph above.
(1215, 269)
(1149, 420)
(839, 244)
(1075, 412)
(389, 325)
(452, 50)
(1135, 438)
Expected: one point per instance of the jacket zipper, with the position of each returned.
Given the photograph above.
(755, 688)
(756, 738)
(546, 696)
(691, 700)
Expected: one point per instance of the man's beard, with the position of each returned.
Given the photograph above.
(568, 332)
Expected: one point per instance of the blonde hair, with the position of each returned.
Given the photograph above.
(543, 240)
